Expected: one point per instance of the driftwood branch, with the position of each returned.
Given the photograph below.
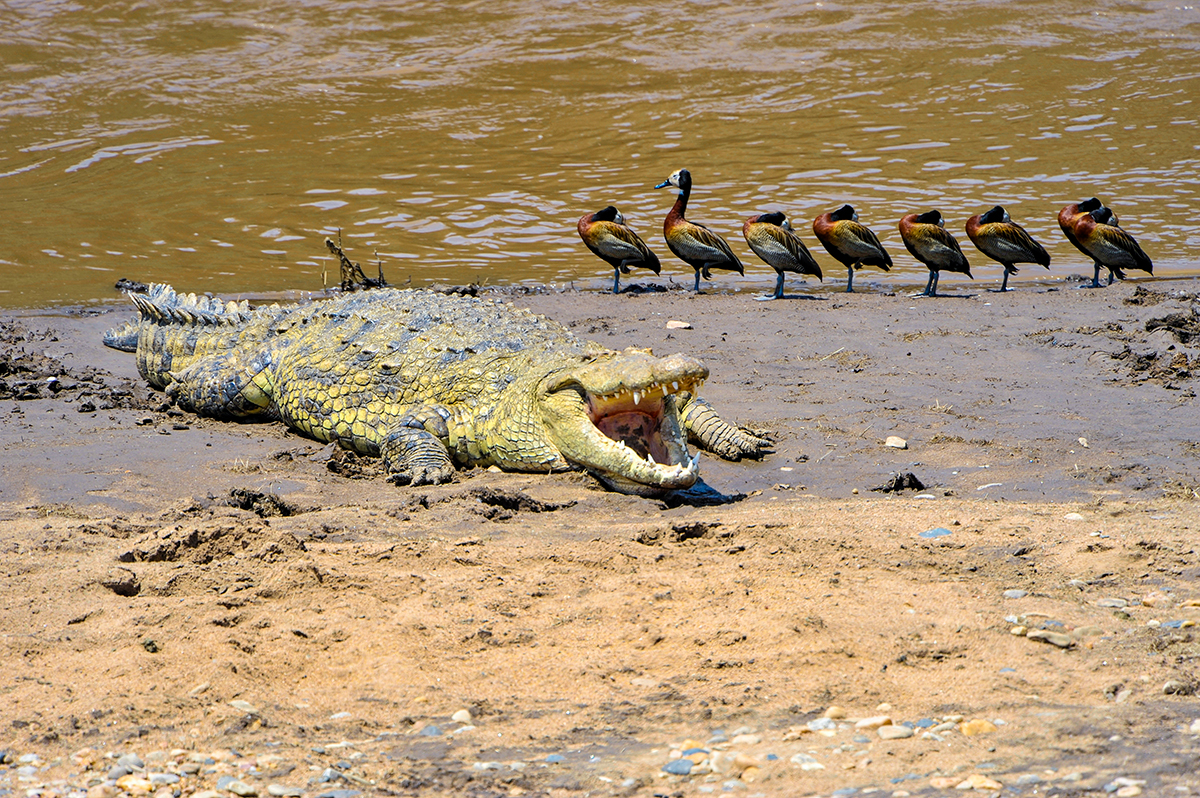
(353, 278)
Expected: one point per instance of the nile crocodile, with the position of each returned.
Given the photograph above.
(427, 380)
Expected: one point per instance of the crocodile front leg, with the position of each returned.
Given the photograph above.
(712, 433)
(414, 452)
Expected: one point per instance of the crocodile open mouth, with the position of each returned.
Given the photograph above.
(634, 419)
(618, 416)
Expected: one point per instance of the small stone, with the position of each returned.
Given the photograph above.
(1112, 603)
(807, 762)
(746, 739)
(674, 324)
(337, 794)
(895, 442)
(1028, 778)
(462, 716)
(1018, 630)
(131, 762)
(937, 532)
(978, 782)
(1015, 594)
(942, 728)
(944, 782)
(159, 779)
(680, 767)
(554, 759)
(243, 706)
(1195, 727)
(973, 728)
(103, 791)
(937, 738)
(834, 713)
(894, 732)
(283, 791)
(430, 731)
(1129, 791)
(116, 772)
(749, 775)
(200, 688)
(488, 766)
(238, 787)
(1088, 631)
(135, 784)
(1157, 599)
(953, 718)
(1054, 638)
(821, 723)
(208, 794)
(1073, 517)
(873, 722)
(1176, 687)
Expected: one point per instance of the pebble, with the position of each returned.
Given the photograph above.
(944, 782)
(1015, 594)
(207, 794)
(163, 778)
(937, 738)
(1129, 791)
(1195, 727)
(336, 794)
(977, 782)
(462, 716)
(679, 767)
(132, 762)
(1028, 778)
(942, 728)
(1018, 630)
(243, 706)
(937, 532)
(497, 766)
(1073, 517)
(835, 713)
(1054, 638)
(554, 759)
(746, 739)
(135, 784)
(675, 324)
(116, 772)
(894, 732)
(282, 791)
(1112, 603)
(896, 442)
(107, 791)
(224, 781)
(807, 762)
(238, 787)
(430, 731)
(973, 728)
(751, 774)
(821, 723)
(1175, 687)
(873, 722)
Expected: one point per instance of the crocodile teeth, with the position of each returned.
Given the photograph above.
(650, 459)
(637, 397)
(674, 386)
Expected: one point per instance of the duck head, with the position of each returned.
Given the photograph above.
(996, 214)
(608, 214)
(931, 217)
(777, 218)
(681, 179)
(846, 213)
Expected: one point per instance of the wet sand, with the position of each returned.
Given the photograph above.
(159, 566)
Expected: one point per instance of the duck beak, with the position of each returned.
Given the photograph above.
(663, 184)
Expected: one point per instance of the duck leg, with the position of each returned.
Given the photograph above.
(1111, 275)
(696, 287)
(931, 286)
(779, 287)
(1004, 284)
(616, 279)
(1096, 276)
(850, 279)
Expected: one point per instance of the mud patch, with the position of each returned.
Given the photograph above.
(1184, 326)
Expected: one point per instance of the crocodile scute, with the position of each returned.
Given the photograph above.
(429, 381)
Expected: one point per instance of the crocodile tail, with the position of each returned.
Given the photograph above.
(173, 330)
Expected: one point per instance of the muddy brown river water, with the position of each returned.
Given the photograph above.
(214, 145)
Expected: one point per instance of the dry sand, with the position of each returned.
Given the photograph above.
(237, 600)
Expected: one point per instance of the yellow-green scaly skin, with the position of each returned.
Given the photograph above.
(415, 376)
